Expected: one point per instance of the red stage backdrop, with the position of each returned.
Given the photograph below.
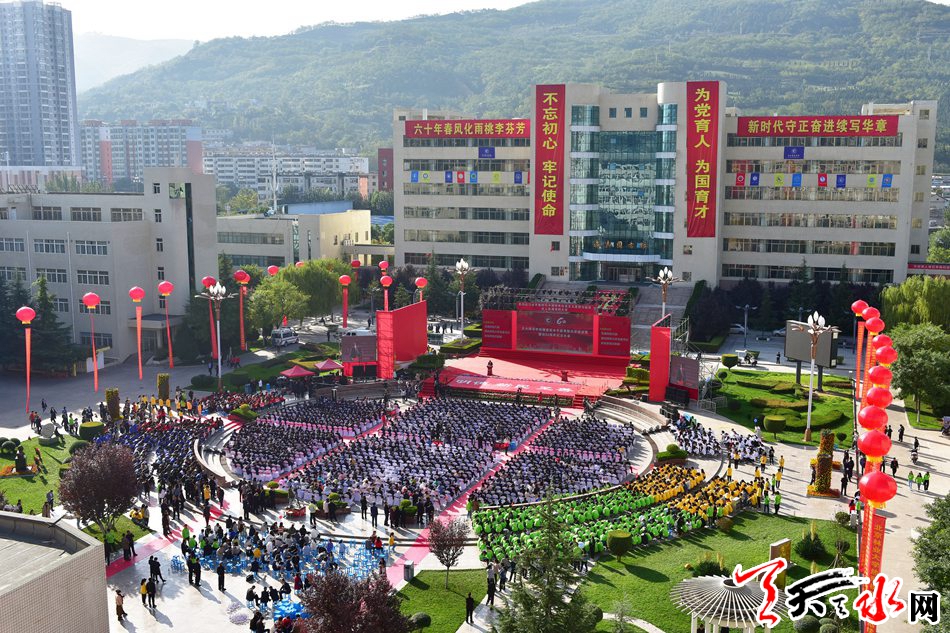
(564, 332)
(659, 362)
(549, 135)
(497, 326)
(385, 345)
(702, 151)
(614, 336)
(817, 125)
(409, 324)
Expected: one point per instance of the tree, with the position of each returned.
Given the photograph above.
(619, 542)
(319, 282)
(275, 299)
(939, 246)
(339, 604)
(382, 203)
(774, 424)
(540, 604)
(100, 485)
(52, 345)
(402, 298)
(383, 233)
(437, 292)
(923, 364)
(244, 201)
(447, 542)
(930, 561)
(765, 315)
(918, 300)
(801, 291)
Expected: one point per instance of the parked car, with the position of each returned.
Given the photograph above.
(284, 336)
(779, 332)
(736, 328)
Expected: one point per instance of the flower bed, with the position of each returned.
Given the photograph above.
(835, 465)
(832, 493)
(9, 471)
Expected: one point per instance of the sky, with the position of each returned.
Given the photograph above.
(209, 19)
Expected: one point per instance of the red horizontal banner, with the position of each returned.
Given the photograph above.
(550, 306)
(511, 385)
(913, 266)
(469, 128)
(863, 125)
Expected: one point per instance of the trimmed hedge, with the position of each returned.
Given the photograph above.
(729, 360)
(204, 381)
(245, 412)
(619, 542)
(769, 403)
(774, 424)
(753, 384)
(711, 346)
(162, 383)
(91, 430)
(668, 454)
(78, 444)
(465, 346)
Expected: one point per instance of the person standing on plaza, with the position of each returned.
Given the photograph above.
(150, 590)
(470, 609)
(894, 466)
(778, 502)
(119, 600)
(363, 506)
(900, 433)
(910, 479)
(926, 481)
(491, 593)
(766, 500)
(143, 591)
(374, 514)
(844, 485)
(220, 570)
(919, 479)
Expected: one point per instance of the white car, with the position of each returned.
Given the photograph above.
(779, 332)
(736, 328)
(284, 336)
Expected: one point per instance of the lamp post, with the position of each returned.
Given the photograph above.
(745, 323)
(242, 278)
(421, 283)
(386, 282)
(462, 268)
(216, 294)
(665, 278)
(815, 328)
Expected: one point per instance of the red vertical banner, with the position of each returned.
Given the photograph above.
(858, 375)
(385, 345)
(702, 162)
(659, 362)
(549, 139)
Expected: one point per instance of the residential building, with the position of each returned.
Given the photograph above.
(384, 167)
(52, 576)
(23, 179)
(279, 240)
(618, 186)
(38, 115)
(461, 190)
(368, 184)
(122, 151)
(109, 242)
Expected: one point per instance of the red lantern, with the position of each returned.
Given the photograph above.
(241, 276)
(165, 288)
(137, 294)
(886, 355)
(345, 280)
(26, 314)
(272, 270)
(877, 488)
(874, 444)
(875, 325)
(879, 397)
(355, 263)
(208, 281)
(384, 265)
(300, 264)
(872, 417)
(881, 340)
(386, 281)
(871, 313)
(90, 300)
(858, 307)
(880, 375)
(421, 282)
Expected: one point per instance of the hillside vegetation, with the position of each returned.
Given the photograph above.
(336, 85)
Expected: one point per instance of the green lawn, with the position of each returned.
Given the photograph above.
(121, 526)
(427, 593)
(835, 397)
(32, 490)
(929, 419)
(609, 626)
(645, 578)
(268, 370)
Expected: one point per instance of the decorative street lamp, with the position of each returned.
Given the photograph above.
(815, 328)
(25, 315)
(216, 294)
(421, 283)
(665, 278)
(386, 282)
(345, 283)
(207, 282)
(462, 267)
(242, 277)
(91, 301)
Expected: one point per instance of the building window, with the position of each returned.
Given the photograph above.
(156, 187)
(12, 273)
(159, 245)
(558, 271)
(158, 216)
(922, 143)
(687, 276)
(105, 307)
(643, 112)
(555, 246)
(612, 113)
(85, 214)
(918, 196)
(915, 249)
(924, 115)
(92, 277)
(916, 223)
(160, 273)
(239, 237)
(92, 247)
(60, 305)
(921, 170)
(127, 215)
(519, 238)
(687, 249)
(47, 213)
(53, 275)
(12, 244)
(57, 247)
(161, 302)
(628, 113)
(103, 339)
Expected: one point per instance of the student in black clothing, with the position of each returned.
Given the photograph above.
(220, 571)
(470, 609)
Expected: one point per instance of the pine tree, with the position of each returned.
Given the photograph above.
(52, 340)
(540, 603)
(436, 292)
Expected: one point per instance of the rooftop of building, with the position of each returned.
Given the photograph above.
(31, 546)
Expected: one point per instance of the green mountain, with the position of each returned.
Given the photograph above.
(336, 84)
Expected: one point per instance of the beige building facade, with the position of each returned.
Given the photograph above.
(108, 243)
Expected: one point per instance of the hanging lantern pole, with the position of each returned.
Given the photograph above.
(91, 301)
(165, 289)
(26, 314)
